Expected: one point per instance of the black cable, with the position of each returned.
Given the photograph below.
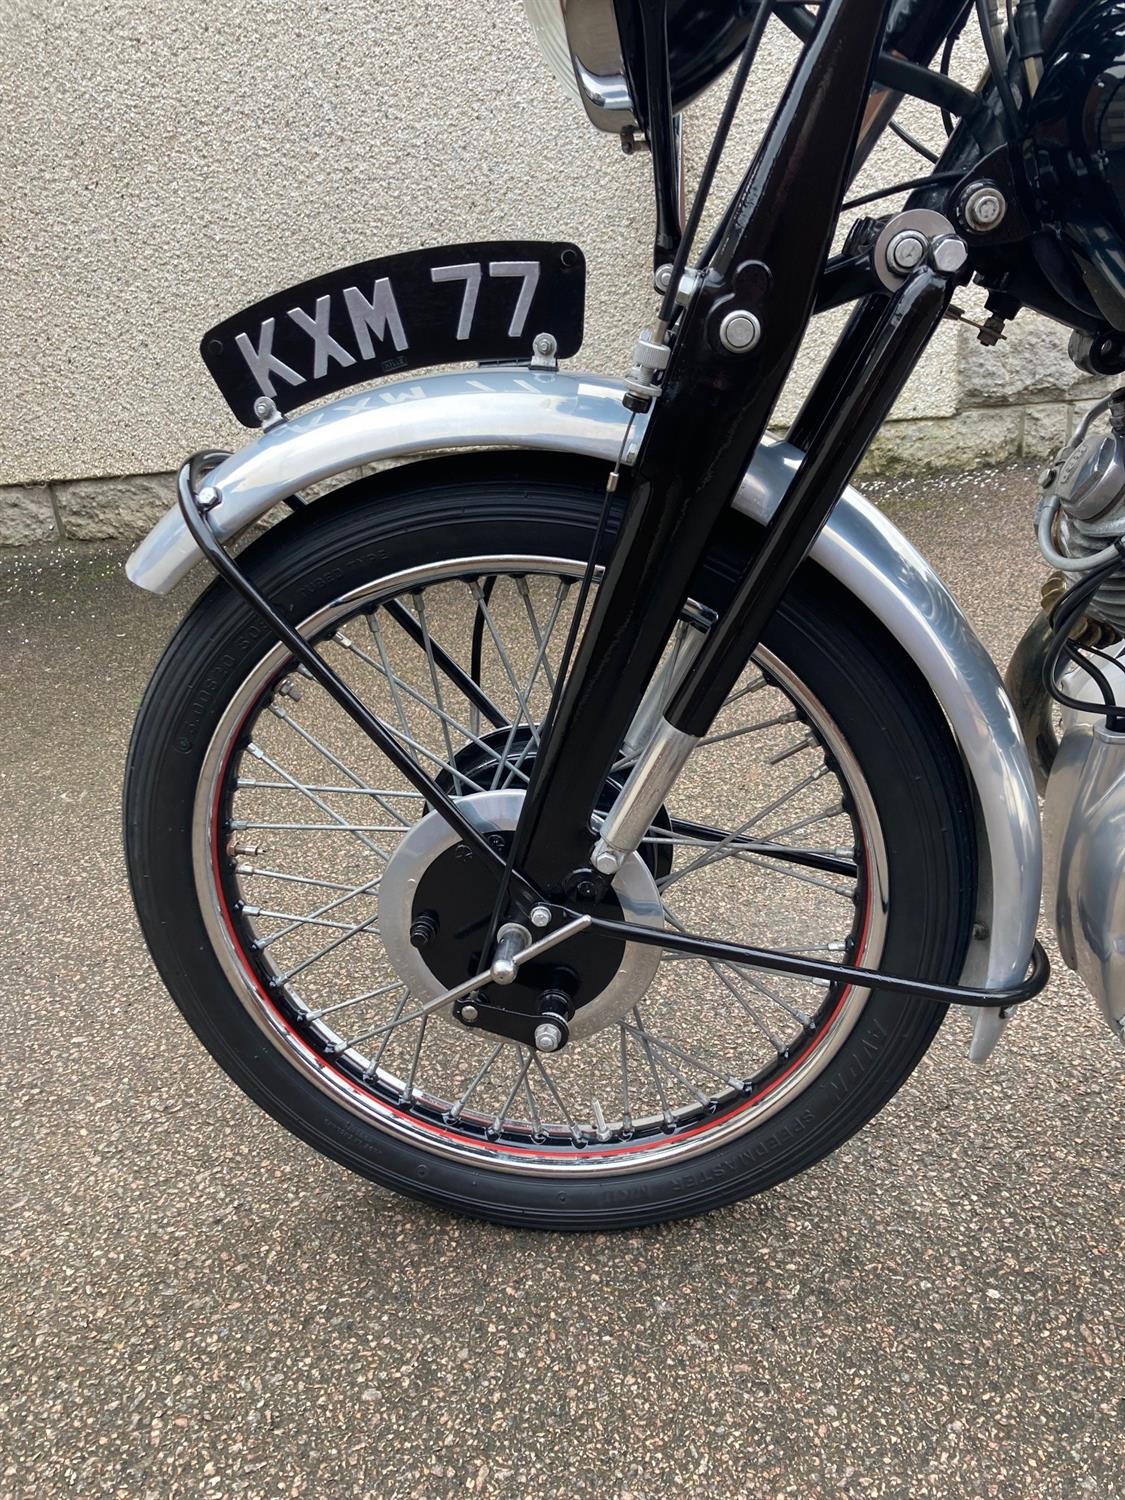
(902, 187)
(998, 67)
(1062, 617)
(1095, 674)
(947, 57)
(726, 120)
(913, 141)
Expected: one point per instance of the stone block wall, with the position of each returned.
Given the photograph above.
(1019, 399)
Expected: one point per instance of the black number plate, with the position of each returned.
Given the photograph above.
(429, 307)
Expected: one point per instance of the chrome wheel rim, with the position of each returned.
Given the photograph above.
(680, 1088)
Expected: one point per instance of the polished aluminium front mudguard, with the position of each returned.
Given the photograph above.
(582, 414)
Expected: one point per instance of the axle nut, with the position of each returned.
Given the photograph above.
(739, 331)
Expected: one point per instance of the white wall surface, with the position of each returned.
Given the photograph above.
(165, 164)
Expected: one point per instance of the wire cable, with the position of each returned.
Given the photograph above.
(902, 187)
(1062, 618)
(993, 38)
(726, 120)
(912, 141)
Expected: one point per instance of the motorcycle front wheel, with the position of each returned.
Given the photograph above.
(280, 864)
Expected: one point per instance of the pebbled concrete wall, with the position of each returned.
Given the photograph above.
(165, 164)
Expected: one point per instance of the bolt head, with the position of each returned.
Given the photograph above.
(983, 208)
(264, 409)
(606, 862)
(462, 853)
(540, 916)
(586, 890)
(469, 1014)
(739, 331)
(544, 344)
(548, 1037)
(208, 497)
(662, 280)
(949, 253)
(906, 250)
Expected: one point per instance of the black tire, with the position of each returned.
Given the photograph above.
(454, 508)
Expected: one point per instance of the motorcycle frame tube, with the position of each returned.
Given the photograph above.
(767, 261)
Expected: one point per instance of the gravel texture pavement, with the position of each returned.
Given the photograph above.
(194, 1304)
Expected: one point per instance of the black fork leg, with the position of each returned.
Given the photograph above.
(838, 442)
(708, 421)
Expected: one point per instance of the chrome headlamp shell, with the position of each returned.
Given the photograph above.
(581, 42)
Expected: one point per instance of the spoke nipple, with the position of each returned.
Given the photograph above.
(289, 689)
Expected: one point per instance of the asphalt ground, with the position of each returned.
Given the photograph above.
(194, 1304)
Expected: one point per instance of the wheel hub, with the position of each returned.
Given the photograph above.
(435, 908)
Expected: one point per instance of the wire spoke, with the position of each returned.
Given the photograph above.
(482, 606)
(541, 660)
(384, 989)
(311, 740)
(663, 1045)
(420, 611)
(820, 817)
(367, 928)
(330, 812)
(641, 1036)
(392, 681)
(725, 842)
(309, 880)
(262, 943)
(476, 1081)
(447, 720)
(734, 734)
(524, 1055)
(576, 1135)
